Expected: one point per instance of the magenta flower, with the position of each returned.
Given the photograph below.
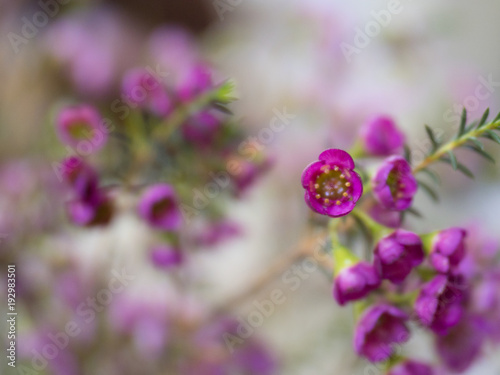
(332, 187)
(397, 254)
(164, 256)
(143, 89)
(355, 282)
(81, 127)
(248, 172)
(214, 233)
(201, 128)
(382, 215)
(448, 249)
(196, 82)
(381, 137)
(91, 205)
(394, 185)
(379, 328)
(438, 305)
(159, 207)
(462, 345)
(410, 367)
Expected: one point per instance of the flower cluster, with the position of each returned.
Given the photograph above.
(436, 280)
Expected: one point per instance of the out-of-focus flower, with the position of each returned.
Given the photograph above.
(92, 48)
(382, 215)
(164, 256)
(379, 328)
(196, 82)
(201, 128)
(248, 172)
(145, 321)
(438, 305)
(462, 345)
(81, 126)
(397, 254)
(91, 206)
(355, 282)
(485, 304)
(448, 249)
(216, 232)
(175, 51)
(410, 367)
(158, 206)
(394, 184)
(142, 89)
(381, 137)
(332, 187)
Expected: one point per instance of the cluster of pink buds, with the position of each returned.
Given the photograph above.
(434, 279)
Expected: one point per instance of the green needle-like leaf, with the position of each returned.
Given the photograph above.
(483, 153)
(453, 159)
(490, 134)
(433, 175)
(430, 191)
(484, 118)
(463, 122)
(477, 143)
(430, 133)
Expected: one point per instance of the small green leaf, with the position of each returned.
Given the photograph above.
(453, 159)
(433, 175)
(482, 122)
(463, 122)
(222, 108)
(483, 153)
(225, 92)
(460, 167)
(490, 134)
(429, 191)
(407, 154)
(414, 212)
(430, 133)
(497, 118)
(477, 143)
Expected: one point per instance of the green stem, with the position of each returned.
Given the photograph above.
(377, 230)
(450, 146)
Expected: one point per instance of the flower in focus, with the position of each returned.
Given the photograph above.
(355, 282)
(143, 89)
(332, 187)
(378, 329)
(448, 249)
(201, 128)
(158, 206)
(462, 345)
(394, 185)
(409, 367)
(438, 305)
(165, 256)
(381, 137)
(81, 127)
(196, 82)
(397, 254)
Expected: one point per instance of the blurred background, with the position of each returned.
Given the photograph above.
(329, 65)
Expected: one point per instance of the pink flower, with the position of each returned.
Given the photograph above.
(439, 304)
(381, 137)
(410, 367)
(164, 256)
(397, 254)
(159, 207)
(379, 328)
(143, 89)
(448, 249)
(201, 128)
(81, 126)
(196, 82)
(332, 187)
(394, 185)
(355, 282)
